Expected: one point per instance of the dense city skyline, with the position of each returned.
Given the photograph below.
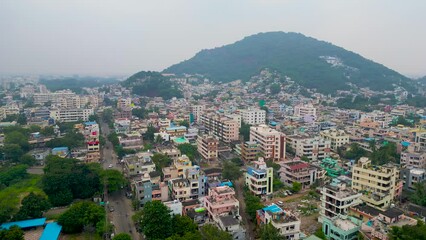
(102, 38)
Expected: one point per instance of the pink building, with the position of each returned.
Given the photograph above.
(221, 201)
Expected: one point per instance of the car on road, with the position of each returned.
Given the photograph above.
(110, 166)
(280, 203)
(111, 209)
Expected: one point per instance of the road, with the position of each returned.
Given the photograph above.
(121, 217)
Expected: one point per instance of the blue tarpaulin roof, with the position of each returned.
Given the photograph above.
(51, 231)
(405, 144)
(25, 223)
(273, 208)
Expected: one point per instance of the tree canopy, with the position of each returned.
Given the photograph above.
(82, 214)
(33, 206)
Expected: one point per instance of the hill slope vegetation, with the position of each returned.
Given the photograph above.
(309, 62)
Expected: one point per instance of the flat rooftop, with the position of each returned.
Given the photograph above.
(344, 224)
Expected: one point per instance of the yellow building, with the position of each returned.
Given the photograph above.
(378, 184)
(337, 138)
(181, 164)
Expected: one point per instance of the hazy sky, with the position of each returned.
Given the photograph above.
(122, 37)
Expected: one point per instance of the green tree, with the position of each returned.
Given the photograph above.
(275, 88)
(355, 152)
(189, 150)
(231, 171)
(252, 204)
(161, 160)
(65, 179)
(13, 233)
(245, 131)
(296, 187)
(139, 113)
(122, 236)
(184, 123)
(149, 134)
(11, 175)
(114, 179)
(304, 158)
(408, 232)
(187, 236)
(154, 221)
(269, 232)
(182, 225)
(419, 195)
(19, 138)
(12, 152)
(27, 160)
(47, 131)
(113, 138)
(32, 206)
(211, 232)
(81, 214)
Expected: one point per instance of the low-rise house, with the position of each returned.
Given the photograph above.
(286, 222)
(298, 171)
(131, 140)
(341, 227)
(221, 201)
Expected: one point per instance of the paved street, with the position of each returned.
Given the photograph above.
(121, 217)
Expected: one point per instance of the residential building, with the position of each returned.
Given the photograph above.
(232, 225)
(91, 135)
(131, 140)
(414, 156)
(336, 137)
(253, 116)
(411, 176)
(302, 110)
(249, 151)
(298, 171)
(224, 128)
(221, 201)
(336, 199)
(197, 111)
(341, 227)
(122, 126)
(178, 131)
(71, 115)
(138, 165)
(123, 103)
(175, 207)
(207, 146)
(190, 184)
(379, 184)
(284, 221)
(313, 148)
(380, 226)
(259, 178)
(271, 142)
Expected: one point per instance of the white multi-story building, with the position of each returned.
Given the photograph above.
(302, 110)
(259, 178)
(314, 148)
(253, 116)
(224, 128)
(336, 199)
(71, 115)
(197, 111)
(271, 142)
(336, 137)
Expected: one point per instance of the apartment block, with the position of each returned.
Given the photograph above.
(91, 135)
(271, 142)
(336, 137)
(314, 148)
(414, 156)
(131, 140)
(71, 115)
(148, 187)
(191, 185)
(259, 178)
(298, 171)
(249, 151)
(55, 97)
(284, 221)
(207, 146)
(197, 111)
(122, 125)
(224, 128)
(341, 227)
(138, 164)
(302, 110)
(336, 199)
(123, 103)
(253, 116)
(379, 184)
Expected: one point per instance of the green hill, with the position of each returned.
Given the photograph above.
(152, 84)
(309, 62)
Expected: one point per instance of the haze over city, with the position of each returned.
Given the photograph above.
(123, 37)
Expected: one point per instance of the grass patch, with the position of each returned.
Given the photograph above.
(11, 196)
